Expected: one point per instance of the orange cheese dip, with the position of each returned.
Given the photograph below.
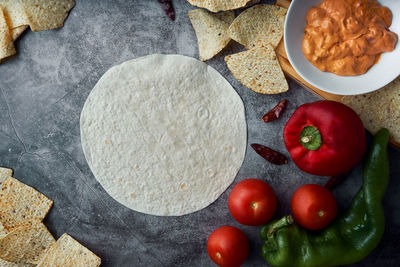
(346, 37)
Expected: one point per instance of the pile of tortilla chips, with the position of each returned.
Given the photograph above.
(379, 109)
(40, 15)
(24, 239)
(259, 29)
(222, 5)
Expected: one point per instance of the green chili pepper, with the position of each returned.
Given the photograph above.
(350, 237)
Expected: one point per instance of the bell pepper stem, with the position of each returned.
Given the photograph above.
(310, 138)
(285, 221)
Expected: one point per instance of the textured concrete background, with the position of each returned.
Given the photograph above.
(42, 91)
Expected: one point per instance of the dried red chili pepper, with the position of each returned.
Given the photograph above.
(336, 180)
(276, 112)
(166, 5)
(269, 154)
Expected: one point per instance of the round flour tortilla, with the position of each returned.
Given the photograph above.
(164, 134)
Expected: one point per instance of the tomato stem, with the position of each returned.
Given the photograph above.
(310, 138)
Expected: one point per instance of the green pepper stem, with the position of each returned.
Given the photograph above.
(285, 221)
(310, 138)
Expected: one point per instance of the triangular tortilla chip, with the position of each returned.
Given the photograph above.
(46, 14)
(14, 12)
(6, 42)
(68, 252)
(211, 31)
(39, 14)
(259, 70)
(259, 25)
(16, 32)
(5, 173)
(4, 263)
(26, 244)
(20, 203)
(3, 231)
(379, 109)
(222, 5)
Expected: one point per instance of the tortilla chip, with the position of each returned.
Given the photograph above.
(221, 5)
(5, 173)
(20, 203)
(211, 31)
(3, 231)
(6, 42)
(14, 12)
(4, 263)
(16, 32)
(259, 70)
(68, 252)
(258, 26)
(379, 109)
(26, 244)
(39, 14)
(45, 14)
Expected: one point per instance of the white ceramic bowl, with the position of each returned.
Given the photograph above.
(382, 73)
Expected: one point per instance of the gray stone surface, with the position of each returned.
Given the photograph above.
(42, 91)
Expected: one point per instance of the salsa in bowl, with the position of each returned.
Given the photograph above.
(344, 47)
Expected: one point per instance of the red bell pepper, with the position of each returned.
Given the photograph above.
(325, 138)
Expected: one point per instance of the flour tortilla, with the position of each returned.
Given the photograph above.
(164, 134)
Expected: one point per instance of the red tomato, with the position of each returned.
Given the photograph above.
(252, 202)
(227, 246)
(313, 206)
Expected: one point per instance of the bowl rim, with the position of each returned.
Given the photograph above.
(318, 86)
